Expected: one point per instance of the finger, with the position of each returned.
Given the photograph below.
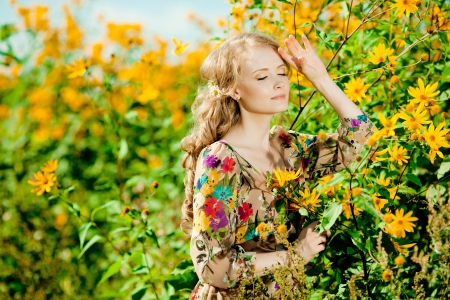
(295, 43)
(293, 49)
(326, 233)
(307, 43)
(291, 60)
(321, 239)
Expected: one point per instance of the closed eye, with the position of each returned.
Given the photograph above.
(266, 76)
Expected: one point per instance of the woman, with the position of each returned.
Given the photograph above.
(228, 211)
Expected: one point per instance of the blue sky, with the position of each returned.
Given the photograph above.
(165, 18)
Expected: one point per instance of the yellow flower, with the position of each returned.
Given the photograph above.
(179, 47)
(433, 152)
(402, 223)
(387, 274)
(284, 176)
(402, 248)
(43, 182)
(392, 192)
(379, 54)
(356, 191)
(422, 93)
(398, 154)
(375, 157)
(382, 181)
(125, 210)
(399, 260)
(282, 229)
(435, 137)
(355, 89)
(407, 6)
(50, 166)
(347, 210)
(419, 117)
(389, 124)
(388, 216)
(379, 202)
(263, 230)
(310, 200)
(154, 186)
(323, 180)
(78, 68)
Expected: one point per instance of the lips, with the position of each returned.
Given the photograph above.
(279, 97)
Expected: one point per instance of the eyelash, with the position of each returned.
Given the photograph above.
(266, 76)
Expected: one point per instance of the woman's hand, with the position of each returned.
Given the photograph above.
(305, 60)
(310, 242)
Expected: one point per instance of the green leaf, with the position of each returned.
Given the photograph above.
(337, 178)
(151, 234)
(139, 292)
(285, 1)
(123, 148)
(74, 208)
(414, 179)
(101, 207)
(94, 239)
(113, 269)
(330, 215)
(83, 231)
(304, 25)
(443, 169)
(303, 211)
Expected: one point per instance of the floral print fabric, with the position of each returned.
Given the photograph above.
(233, 215)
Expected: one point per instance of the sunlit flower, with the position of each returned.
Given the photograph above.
(78, 68)
(387, 274)
(378, 202)
(375, 157)
(416, 119)
(50, 166)
(392, 192)
(43, 182)
(125, 210)
(284, 176)
(422, 93)
(379, 54)
(404, 6)
(310, 199)
(402, 248)
(389, 124)
(179, 47)
(402, 223)
(435, 137)
(399, 260)
(398, 154)
(282, 229)
(356, 89)
(382, 181)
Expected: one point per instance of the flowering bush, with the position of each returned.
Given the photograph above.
(101, 217)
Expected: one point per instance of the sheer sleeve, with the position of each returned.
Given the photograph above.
(217, 259)
(323, 155)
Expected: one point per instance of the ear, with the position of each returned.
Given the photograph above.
(235, 94)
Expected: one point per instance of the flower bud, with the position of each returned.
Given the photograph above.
(125, 210)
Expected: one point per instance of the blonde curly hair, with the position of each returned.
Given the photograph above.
(216, 114)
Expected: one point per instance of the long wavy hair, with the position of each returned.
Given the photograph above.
(214, 116)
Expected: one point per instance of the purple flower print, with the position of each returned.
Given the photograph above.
(211, 161)
(277, 287)
(355, 122)
(219, 221)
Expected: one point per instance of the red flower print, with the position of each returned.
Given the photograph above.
(245, 211)
(285, 137)
(228, 165)
(212, 206)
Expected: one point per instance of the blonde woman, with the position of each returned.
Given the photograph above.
(231, 147)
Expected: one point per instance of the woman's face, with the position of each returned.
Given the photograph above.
(264, 86)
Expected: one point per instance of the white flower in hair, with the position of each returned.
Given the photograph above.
(213, 89)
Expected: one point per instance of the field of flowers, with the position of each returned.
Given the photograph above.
(90, 175)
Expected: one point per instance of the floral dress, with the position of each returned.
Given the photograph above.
(231, 201)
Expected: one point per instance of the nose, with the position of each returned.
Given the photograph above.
(279, 84)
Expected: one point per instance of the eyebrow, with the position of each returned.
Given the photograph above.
(267, 68)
